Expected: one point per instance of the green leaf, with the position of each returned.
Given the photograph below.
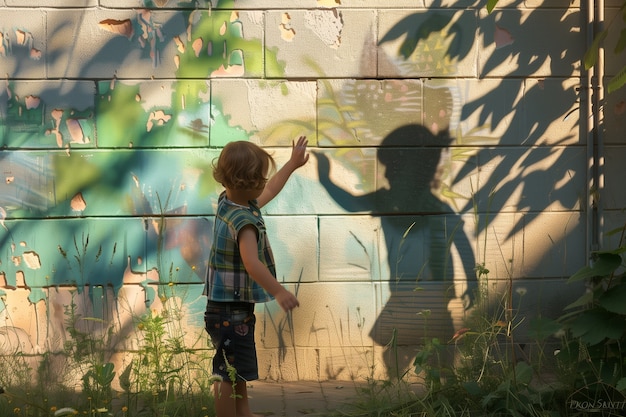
(124, 378)
(473, 388)
(523, 373)
(593, 326)
(583, 300)
(621, 385)
(542, 328)
(621, 42)
(491, 4)
(591, 56)
(613, 299)
(618, 81)
(605, 264)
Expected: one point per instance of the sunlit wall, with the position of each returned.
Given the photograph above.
(442, 137)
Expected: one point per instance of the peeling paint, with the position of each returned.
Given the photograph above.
(234, 70)
(197, 46)
(4, 283)
(180, 45)
(158, 118)
(24, 38)
(287, 33)
(5, 45)
(151, 33)
(31, 260)
(57, 115)
(326, 24)
(118, 27)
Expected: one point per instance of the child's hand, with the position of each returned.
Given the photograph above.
(286, 300)
(299, 156)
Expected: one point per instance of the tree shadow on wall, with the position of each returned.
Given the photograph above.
(511, 142)
(421, 233)
(520, 51)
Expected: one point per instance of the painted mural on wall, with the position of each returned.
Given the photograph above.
(131, 209)
(108, 195)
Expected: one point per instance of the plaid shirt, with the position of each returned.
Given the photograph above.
(227, 278)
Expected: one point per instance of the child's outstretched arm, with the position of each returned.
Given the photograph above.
(299, 157)
(258, 271)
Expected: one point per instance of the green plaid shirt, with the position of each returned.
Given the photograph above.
(227, 278)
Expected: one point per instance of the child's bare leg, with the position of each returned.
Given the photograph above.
(242, 404)
(231, 400)
(224, 399)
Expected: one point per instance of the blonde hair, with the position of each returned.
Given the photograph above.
(243, 165)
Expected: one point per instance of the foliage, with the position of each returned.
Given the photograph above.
(489, 378)
(165, 377)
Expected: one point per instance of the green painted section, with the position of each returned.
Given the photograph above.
(34, 121)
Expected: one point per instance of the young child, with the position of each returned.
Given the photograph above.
(241, 266)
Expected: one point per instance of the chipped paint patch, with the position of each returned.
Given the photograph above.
(31, 260)
(76, 131)
(78, 203)
(5, 46)
(32, 102)
(326, 24)
(118, 27)
(158, 118)
(287, 33)
(24, 38)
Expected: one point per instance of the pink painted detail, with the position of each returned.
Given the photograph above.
(502, 37)
(78, 203)
(35, 54)
(32, 102)
(76, 131)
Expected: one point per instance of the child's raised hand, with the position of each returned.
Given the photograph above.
(299, 155)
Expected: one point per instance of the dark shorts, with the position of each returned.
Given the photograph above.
(231, 328)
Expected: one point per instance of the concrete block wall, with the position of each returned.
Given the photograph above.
(112, 111)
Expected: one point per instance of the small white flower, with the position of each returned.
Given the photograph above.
(216, 378)
(67, 411)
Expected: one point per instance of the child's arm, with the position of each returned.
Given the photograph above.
(258, 271)
(298, 158)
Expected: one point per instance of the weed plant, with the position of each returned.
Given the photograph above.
(585, 375)
(164, 377)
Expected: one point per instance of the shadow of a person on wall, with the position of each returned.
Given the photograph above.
(421, 232)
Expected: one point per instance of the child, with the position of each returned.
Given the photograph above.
(241, 266)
